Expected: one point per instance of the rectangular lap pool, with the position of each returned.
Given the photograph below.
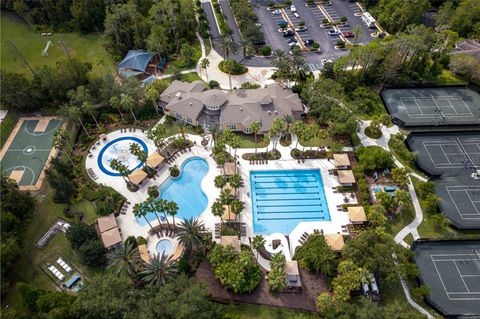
(282, 199)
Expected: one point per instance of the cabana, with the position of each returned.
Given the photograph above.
(230, 168)
(341, 161)
(346, 178)
(106, 223)
(134, 63)
(292, 274)
(356, 214)
(155, 160)
(230, 241)
(144, 253)
(137, 176)
(111, 238)
(335, 241)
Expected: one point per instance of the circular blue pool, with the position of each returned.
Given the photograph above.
(165, 247)
(119, 149)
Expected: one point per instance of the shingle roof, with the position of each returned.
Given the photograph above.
(106, 222)
(215, 98)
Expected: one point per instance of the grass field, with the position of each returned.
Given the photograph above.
(7, 126)
(247, 311)
(87, 48)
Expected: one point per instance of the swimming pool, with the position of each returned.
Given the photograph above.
(282, 199)
(185, 190)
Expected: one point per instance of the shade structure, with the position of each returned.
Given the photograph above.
(106, 223)
(136, 60)
(341, 160)
(356, 214)
(346, 177)
(155, 160)
(137, 176)
(230, 169)
(230, 241)
(335, 241)
(111, 237)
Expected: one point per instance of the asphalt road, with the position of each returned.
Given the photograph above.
(344, 8)
(207, 8)
(227, 12)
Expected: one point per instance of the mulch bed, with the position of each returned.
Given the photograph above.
(313, 285)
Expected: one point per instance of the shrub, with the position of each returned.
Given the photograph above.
(79, 233)
(316, 255)
(248, 85)
(301, 23)
(236, 271)
(271, 3)
(316, 46)
(213, 84)
(340, 43)
(153, 192)
(92, 253)
(297, 88)
(288, 2)
(373, 132)
(131, 241)
(174, 171)
(104, 208)
(276, 277)
(266, 50)
(310, 2)
(325, 21)
(343, 19)
(141, 240)
(373, 158)
(232, 67)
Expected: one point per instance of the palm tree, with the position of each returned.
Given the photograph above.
(123, 260)
(190, 233)
(278, 56)
(258, 243)
(58, 139)
(140, 210)
(214, 130)
(153, 95)
(158, 271)
(88, 107)
(266, 141)
(227, 46)
(220, 181)
(235, 143)
(142, 156)
(172, 210)
(298, 129)
(235, 182)
(115, 102)
(246, 46)
(74, 113)
(157, 135)
(229, 66)
(122, 169)
(275, 130)
(288, 120)
(255, 128)
(182, 129)
(127, 103)
(204, 64)
(161, 206)
(217, 209)
(237, 207)
(297, 63)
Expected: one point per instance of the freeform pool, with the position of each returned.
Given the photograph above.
(282, 199)
(185, 190)
(165, 247)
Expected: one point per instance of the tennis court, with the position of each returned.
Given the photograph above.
(440, 106)
(453, 154)
(452, 271)
(28, 150)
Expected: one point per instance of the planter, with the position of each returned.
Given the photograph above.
(238, 70)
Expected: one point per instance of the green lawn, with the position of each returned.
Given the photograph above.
(7, 126)
(33, 258)
(86, 48)
(190, 77)
(400, 220)
(248, 141)
(448, 78)
(247, 311)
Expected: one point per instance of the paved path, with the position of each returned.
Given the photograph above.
(412, 227)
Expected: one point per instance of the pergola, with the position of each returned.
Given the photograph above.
(345, 177)
(109, 231)
(230, 168)
(155, 160)
(335, 241)
(137, 176)
(356, 214)
(341, 160)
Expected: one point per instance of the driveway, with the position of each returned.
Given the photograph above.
(227, 12)
(207, 8)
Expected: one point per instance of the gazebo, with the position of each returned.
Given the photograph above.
(155, 160)
(230, 168)
(346, 178)
(356, 214)
(335, 241)
(134, 63)
(109, 232)
(341, 161)
(137, 176)
(230, 241)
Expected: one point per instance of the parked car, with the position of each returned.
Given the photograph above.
(325, 61)
(333, 32)
(276, 12)
(292, 44)
(345, 24)
(348, 34)
(292, 40)
(293, 8)
(301, 29)
(288, 33)
(296, 15)
(308, 42)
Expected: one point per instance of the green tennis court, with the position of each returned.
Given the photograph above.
(28, 150)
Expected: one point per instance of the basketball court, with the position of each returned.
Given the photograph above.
(440, 106)
(28, 151)
(451, 269)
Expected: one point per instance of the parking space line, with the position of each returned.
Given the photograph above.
(299, 39)
(324, 11)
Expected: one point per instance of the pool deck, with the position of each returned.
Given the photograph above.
(128, 223)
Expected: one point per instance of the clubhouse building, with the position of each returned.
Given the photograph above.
(236, 110)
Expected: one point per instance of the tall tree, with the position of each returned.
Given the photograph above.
(255, 128)
(204, 64)
(158, 271)
(191, 233)
(124, 260)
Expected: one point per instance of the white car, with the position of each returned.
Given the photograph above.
(296, 15)
(301, 29)
(276, 12)
(292, 44)
(325, 61)
(293, 8)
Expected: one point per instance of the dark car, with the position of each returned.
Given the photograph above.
(288, 33)
(308, 42)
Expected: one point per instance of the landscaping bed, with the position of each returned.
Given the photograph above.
(271, 155)
(236, 68)
(373, 133)
(298, 154)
